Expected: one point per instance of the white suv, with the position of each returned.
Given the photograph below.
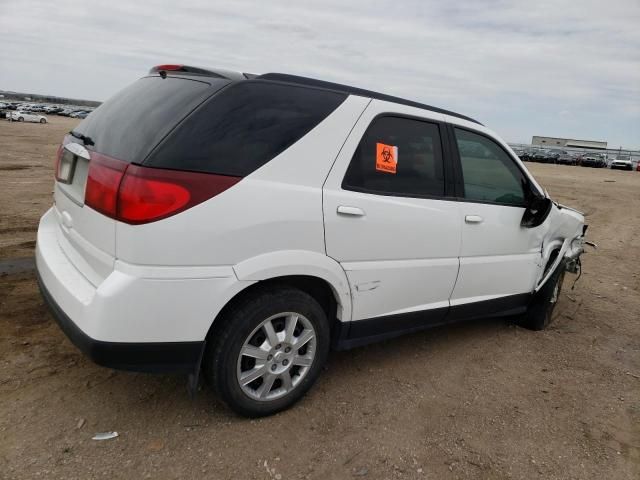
(242, 225)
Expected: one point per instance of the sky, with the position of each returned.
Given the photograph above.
(563, 68)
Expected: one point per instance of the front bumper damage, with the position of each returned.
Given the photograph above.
(569, 256)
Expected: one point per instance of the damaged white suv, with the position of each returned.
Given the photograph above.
(243, 225)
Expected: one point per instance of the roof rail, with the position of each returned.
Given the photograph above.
(283, 77)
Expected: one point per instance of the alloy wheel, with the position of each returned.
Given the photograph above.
(276, 356)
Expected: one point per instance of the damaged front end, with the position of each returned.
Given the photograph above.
(572, 256)
(563, 242)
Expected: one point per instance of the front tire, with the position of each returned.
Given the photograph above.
(42, 120)
(268, 351)
(539, 315)
(20, 119)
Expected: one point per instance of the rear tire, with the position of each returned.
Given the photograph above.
(539, 315)
(42, 120)
(252, 361)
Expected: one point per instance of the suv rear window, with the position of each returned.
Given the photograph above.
(243, 127)
(131, 123)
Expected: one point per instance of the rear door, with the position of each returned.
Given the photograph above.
(389, 220)
(499, 259)
(126, 127)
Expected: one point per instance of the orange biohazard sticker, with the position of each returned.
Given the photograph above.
(386, 158)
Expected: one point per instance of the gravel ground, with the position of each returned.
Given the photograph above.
(476, 400)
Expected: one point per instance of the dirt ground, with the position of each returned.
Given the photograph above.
(477, 400)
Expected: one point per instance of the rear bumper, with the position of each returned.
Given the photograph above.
(141, 318)
(139, 357)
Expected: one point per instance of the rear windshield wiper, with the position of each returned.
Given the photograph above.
(86, 140)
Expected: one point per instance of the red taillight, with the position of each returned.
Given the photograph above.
(103, 182)
(146, 195)
(134, 194)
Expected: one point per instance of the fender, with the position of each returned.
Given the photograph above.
(300, 262)
(548, 248)
(565, 226)
(556, 262)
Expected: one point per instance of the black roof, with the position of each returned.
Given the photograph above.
(311, 82)
(283, 77)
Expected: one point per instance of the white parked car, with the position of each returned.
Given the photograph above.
(22, 116)
(623, 162)
(242, 225)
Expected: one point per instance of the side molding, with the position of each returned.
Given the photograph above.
(366, 331)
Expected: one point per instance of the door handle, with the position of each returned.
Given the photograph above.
(347, 210)
(473, 219)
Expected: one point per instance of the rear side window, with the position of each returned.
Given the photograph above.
(131, 123)
(243, 127)
(489, 174)
(398, 156)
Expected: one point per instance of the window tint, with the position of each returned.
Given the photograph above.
(244, 126)
(131, 123)
(398, 156)
(489, 174)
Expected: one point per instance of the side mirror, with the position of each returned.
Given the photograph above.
(536, 212)
(537, 207)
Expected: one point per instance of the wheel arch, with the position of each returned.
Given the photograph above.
(315, 274)
(551, 249)
(301, 264)
(316, 287)
(550, 260)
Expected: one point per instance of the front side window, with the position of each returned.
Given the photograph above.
(489, 173)
(398, 156)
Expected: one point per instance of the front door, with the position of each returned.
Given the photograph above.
(499, 259)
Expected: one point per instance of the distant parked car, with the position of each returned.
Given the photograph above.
(527, 154)
(22, 116)
(623, 162)
(539, 156)
(567, 159)
(80, 114)
(593, 160)
(518, 151)
(553, 154)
